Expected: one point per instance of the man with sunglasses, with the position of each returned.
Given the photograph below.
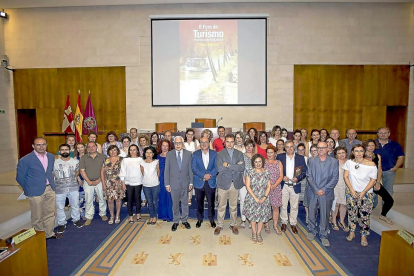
(323, 175)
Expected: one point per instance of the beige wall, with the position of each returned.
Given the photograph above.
(8, 143)
(300, 33)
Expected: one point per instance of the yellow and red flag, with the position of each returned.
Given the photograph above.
(78, 120)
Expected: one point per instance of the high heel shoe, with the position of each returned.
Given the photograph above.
(111, 220)
(117, 220)
(259, 238)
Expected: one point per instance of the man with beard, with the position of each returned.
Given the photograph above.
(66, 170)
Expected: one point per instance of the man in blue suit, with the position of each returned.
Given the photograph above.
(205, 173)
(34, 174)
(294, 170)
(323, 175)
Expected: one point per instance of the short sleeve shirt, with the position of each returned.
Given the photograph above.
(360, 176)
(218, 144)
(389, 154)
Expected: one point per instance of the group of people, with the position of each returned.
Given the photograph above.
(264, 174)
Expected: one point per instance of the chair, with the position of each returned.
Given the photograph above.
(208, 123)
(260, 126)
(163, 127)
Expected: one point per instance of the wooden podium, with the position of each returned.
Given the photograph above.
(163, 127)
(31, 259)
(259, 126)
(207, 122)
(396, 255)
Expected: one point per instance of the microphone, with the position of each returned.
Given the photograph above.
(218, 121)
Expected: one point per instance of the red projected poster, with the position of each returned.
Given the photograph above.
(208, 62)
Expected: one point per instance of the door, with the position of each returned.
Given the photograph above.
(26, 130)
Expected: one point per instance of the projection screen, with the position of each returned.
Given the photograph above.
(209, 61)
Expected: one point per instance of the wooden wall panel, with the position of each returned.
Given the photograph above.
(396, 122)
(24, 94)
(373, 117)
(398, 85)
(114, 104)
(46, 90)
(350, 96)
(306, 81)
(375, 85)
(49, 120)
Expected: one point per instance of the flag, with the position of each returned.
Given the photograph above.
(89, 119)
(78, 120)
(67, 124)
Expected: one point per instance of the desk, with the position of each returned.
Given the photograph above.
(31, 259)
(396, 255)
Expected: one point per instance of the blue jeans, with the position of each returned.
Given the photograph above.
(388, 178)
(60, 206)
(151, 193)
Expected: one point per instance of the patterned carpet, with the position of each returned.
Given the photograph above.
(141, 249)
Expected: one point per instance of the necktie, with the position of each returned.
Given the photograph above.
(179, 160)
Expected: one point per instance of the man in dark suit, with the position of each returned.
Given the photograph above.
(323, 175)
(34, 174)
(205, 173)
(294, 170)
(178, 178)
(230, 166)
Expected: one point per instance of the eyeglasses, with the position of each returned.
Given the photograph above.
(383, 133)
(321, 148)
(358, 150)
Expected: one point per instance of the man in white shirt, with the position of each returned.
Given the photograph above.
(178, 178)
(66, 170)
(205, 173)
(294, 170)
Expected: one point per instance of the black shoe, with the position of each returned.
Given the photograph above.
(79, 223)
(187, 225)
(198, 224)
(174, 227)
(61, 229)
(213, 224)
